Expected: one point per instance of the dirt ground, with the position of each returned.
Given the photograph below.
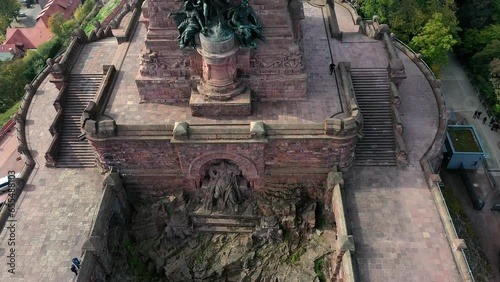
(485, 222)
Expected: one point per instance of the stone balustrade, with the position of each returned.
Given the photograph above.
(60, 99)
(57, 123)
(342, 267)
(396, 67)
(60, 69)
(130, 26)
(394, 94)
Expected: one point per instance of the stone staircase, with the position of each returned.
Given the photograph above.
(223, 223)
(377, 147)
(81, 89)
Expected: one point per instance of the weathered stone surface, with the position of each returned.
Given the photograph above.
(237, 106)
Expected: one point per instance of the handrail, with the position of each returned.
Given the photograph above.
(490, 177)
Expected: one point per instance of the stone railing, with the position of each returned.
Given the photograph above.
(356, 19)
(124, 35)
(396, 68)
(431, 161)
(100, 32)
(57, 123)
(354, 120)
(60, 99)
(61, 67)
(105, 127)
(96, 262)
(22, 148)
(342, 265)
(394, 94)
(117, 12)
(333, 24)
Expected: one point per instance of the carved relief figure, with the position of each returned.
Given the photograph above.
(189, 23)
(246, 25)
(223, 187)
(214, 18)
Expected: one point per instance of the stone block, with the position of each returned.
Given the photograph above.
(332, 126)
(181, 130)
(257, 130)
(459, 244)
(346, 243)
(91, 127)
(237, 106)
(107, 128)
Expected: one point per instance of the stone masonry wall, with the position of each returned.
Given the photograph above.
(136, 154)
(153, 167)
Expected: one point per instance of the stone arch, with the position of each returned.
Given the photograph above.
(247, 167)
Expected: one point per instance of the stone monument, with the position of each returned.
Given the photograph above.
(205, 53)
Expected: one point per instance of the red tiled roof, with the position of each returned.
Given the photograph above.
(31, 37)
(66, 7)
(40, 33)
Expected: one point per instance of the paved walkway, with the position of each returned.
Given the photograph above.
(57, 206)
(461, 99)
(323, 101)
(396, 226)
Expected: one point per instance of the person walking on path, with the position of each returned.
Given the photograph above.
(492, 120)
(475, 114)
(495, 126)
(76, 262)
(332, 67)
(74, 269)
(485, 119)
(479, 114)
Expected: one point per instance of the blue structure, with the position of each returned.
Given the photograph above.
(462, 147)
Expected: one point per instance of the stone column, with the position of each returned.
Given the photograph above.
(219, 69)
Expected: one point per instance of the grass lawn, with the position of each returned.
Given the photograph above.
(4, 117)
(105, 11)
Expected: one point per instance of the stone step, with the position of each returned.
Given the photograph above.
(224, 224)
(223, 216)
(223, 230)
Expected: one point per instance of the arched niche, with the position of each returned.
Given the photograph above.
(196, 173)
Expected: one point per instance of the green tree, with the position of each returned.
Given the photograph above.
(60, 26)
(9, 10)
(477, 13)
(434, 41)
(495, 76)
(12, 81)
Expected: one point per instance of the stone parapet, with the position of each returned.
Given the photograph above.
(342, 265)
(268, 147)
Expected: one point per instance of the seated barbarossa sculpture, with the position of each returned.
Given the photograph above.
(239, 20)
